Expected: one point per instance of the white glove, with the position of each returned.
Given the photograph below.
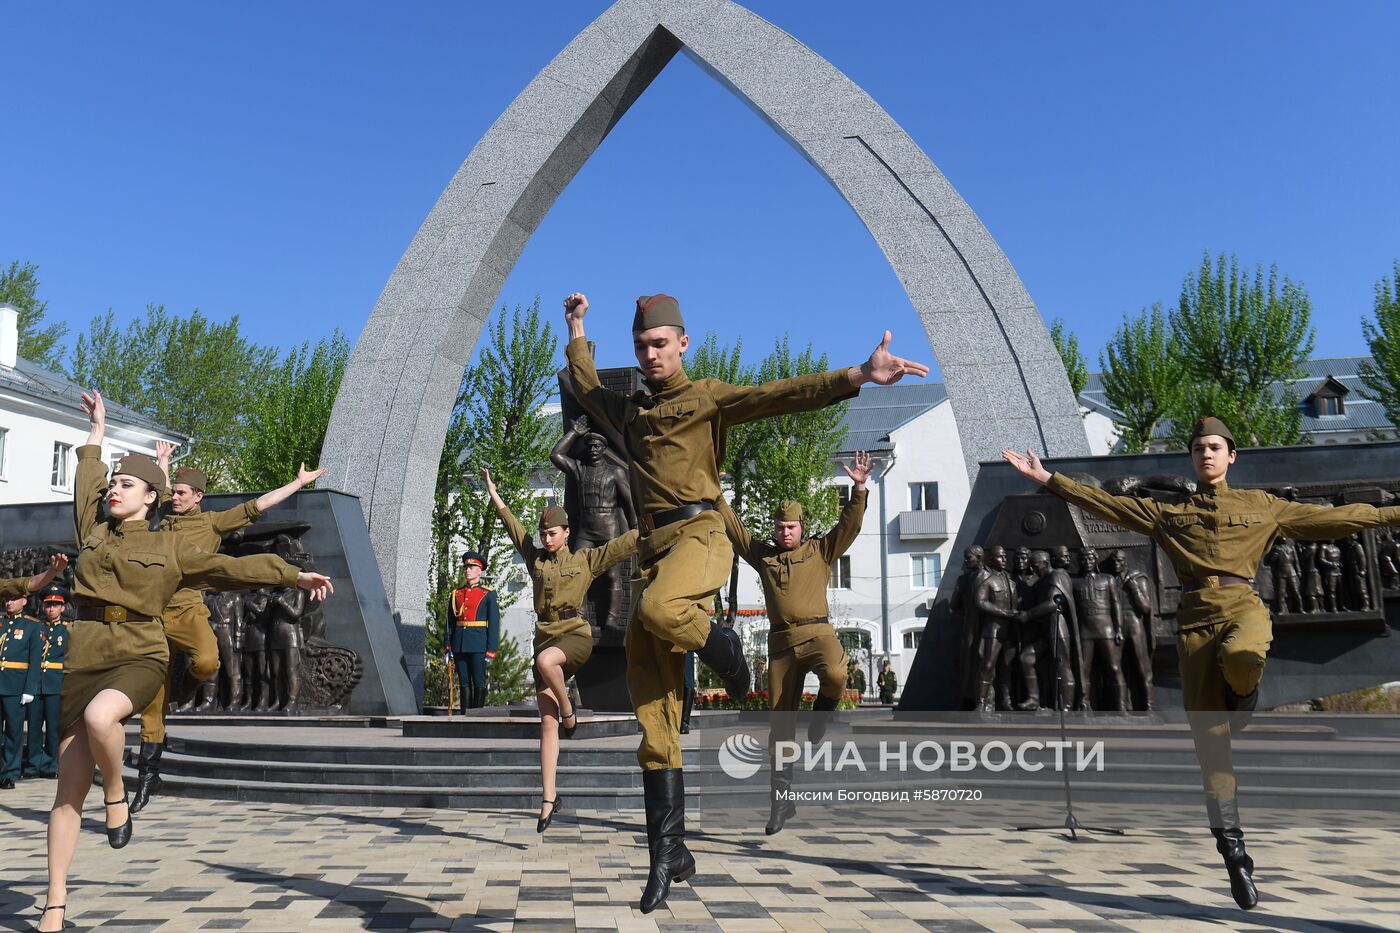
(25, 698)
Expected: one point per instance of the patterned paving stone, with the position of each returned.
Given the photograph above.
(209, 865)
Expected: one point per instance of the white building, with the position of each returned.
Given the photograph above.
(41, 426)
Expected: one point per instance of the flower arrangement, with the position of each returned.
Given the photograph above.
(758, 700)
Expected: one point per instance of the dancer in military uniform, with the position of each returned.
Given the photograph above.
(186, 619)
(126, 574)
(476, 631)
(675, 435)
(1215, 540)
(563, 638)
(795, 575)
(20, 651)
(43, 712)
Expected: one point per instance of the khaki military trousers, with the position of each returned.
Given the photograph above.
(822, 655)
(1221, 649)
(187, 629)
(682, 568)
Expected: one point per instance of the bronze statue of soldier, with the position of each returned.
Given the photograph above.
(1051, 615)
(285, 606)
(1135, 608)
(1358, 588)
(1288, 582)
(1329, 562)
(226, 614)
(995, 602)
(604, 505)
(1100, 637)
(962, 606)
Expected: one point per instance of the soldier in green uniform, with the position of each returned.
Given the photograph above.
(563, 638)
(20, 650)
(1215, 540)
(186, 619)
(43, 712)
(675, 434)
(888, 682)
(128, 570)
(795, 575)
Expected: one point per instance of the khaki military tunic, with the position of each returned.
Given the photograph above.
(1223, 631)
(561, 581)
(794, 592)
(675, 435)
(130, 566)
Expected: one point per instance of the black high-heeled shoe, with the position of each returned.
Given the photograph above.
(544, 822)
(62, 924)
(120, 835)
(569, 730)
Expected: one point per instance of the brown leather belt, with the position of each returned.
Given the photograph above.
(820, 621)
(102, 612)
(562, 616)
(1191, 584)
(654, 520)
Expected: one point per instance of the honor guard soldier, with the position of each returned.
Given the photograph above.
(43, 712)
(1215, 540)
(476, 631)
(21, 648)
(795, 575)
(186, 619)
(674, 430)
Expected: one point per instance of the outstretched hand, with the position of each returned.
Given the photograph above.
(96, 411)
(860, 472)
(490, 484)
(884, 368)
(163, 451)
(57, 563)
(317, 584)
(1028, 466)
(307, 477)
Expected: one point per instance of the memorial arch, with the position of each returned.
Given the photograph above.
(1004, 378)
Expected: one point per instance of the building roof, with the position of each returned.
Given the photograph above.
(874, 415)
(26, 378)
(1362, 414)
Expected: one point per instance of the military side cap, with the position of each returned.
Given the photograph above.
(789, 510)
(1212, 425)
(472, 557)
(53, 593)
(553, 517)
(193, 478)
(141, 467)
(657, 311)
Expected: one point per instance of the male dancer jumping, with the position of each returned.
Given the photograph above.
(675, 434)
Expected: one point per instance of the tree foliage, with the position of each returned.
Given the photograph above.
(1142, 377)
(1381, 376)
(1068, 346)
(288, 414)
(497, 422)
(38, 343)
(1238, 336)
(192, 375)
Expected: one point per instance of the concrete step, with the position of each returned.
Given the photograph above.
(571, 754)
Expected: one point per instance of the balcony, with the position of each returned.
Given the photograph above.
(923, 525)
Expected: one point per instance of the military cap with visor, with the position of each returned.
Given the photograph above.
(657, 311)
(53, 593)
(1209, 425)
(472, 557)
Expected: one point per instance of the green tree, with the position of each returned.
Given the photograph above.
(1381, 376)
(1142, 377)
(497, 422)
(41, 345)
(1239, 336)
(286, 423)
(1068, 346)
(195, 376)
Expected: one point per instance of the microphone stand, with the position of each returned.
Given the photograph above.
(1071, 825)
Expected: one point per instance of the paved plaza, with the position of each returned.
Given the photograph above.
(213, 865)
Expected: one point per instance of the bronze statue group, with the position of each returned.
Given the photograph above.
(143, 563)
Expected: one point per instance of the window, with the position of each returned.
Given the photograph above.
(923, 497)
(911, 638)
(4, 433)
(59, 477)
(927, 571)
(854, 640)
(841, 573)
(843, 495)
(1330, 405)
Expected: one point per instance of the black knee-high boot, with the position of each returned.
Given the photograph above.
(783, 809)
(686, 706)
(822, 709)
(725, 656)
(664, 792)
(147, 774)
(1229, 842)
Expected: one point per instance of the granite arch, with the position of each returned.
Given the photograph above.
(1003, 375)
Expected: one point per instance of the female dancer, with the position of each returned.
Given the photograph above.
(1215, 540)
(563, 639)
(125, 574)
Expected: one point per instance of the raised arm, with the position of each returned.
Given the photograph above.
(518, 535)
(1131, 512)
(90, 478)
(738, 535)
(23, 586)
(221, 572)
(606, 406)
(839, 539)
(281, 494)
(559, 455)
(604, 557)
(1311, 522)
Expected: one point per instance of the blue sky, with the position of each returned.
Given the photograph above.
(274, 160)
